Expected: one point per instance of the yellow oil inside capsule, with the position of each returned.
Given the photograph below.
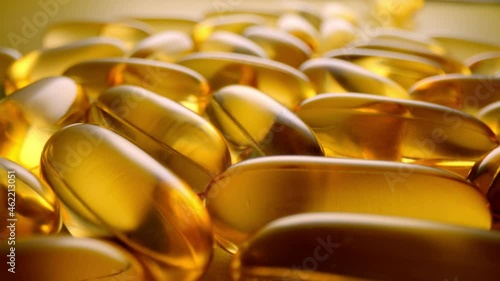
(255, 192)
(110, 188)
(167, 46)
(381, 128)
(300, 28)
(462, 48)
(174, 23)
(404, 69)
(490, 115)
(410, 39)
(336, 33)
(166, 79)
(7, 57)
(339, 76)
(484, 174)
(44, 63)
(129, 32)
(485, 63)
(32, 114)
(256, 125)
(27, 203)
(312, 247)
(66, 258)
(280, 81)
(223, 41)
(220, 266)
(469, 93)
(178, 138)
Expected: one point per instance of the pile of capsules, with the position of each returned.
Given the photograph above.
(296, 144)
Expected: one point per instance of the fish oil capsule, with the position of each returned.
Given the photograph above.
(300, 28)
(174, 23)
(404, 69)
(32, 114)
(279, 45)
(66, 258)
(339, 11)
(256, 125)
(468, 93)
(367, 247)
(175, 136)
(484, 175)
(28, 204)
(462, 49)
(223, 41)
(166, 46)
(336, 33)
(51, 62)
(334, 75)
(231, 23)
(129, 32)
(111, 188)
(220, 266)
(485, 63)
(255, 192)
(381, 128)
(397, 13)
(7, 57)
(490, 115)
(412, 40)
(280, 81)
(307, 12)
(166, 79)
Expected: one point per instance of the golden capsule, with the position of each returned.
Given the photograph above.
(255, 192)
(110, 188)
(280, 81)
(279, 45)
(166, 79)
(28, 204)
(412, 40)
(300, 28)
(255, 125)
(468, 93)
(220, 266)
(490, 115)
(396, 13)
(32, 114)
(381, 128)
(51, 62)
(223, 41)
(404, 69)
(367, 247)
(162, 24)
(336, 33)
(305, 11)
(334, 10)
(129, 32)
(175, 136)
(339, 76)
(462, 49)
(7, 57)
(166, 46)
(66, 258)
(484, 175)
(485, 63)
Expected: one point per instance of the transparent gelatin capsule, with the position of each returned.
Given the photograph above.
(223, 41)
(410, 39)
(462, 49)
(299, 27)
(7, 57)
(336, 33)
(485, 63)
(490, 115)
(167, 46)
(484, 175)
(255, 192)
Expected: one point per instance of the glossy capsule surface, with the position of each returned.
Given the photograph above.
(35, 206)
(44, 63)
(219, 268)
(490, 115)
(175, 136)
(7, 57)
(340, 76)
(235, 23)
(468, 93)
(255, 192)
(279, 45)
(409, 38)
(381, 128)
(299, 27)
(110, 188)
(223, 41)
(313, 247)
(166, 79)
(255, 125)
(336, 33)
(162, 24)
(283, 83)
(32, 114)
(67, 258)
(463, 49)
(485, 63)
(166, 46)
(484, 175)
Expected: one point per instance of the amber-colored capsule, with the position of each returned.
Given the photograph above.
(334, 75)
(255, 125)
(174, 23)
(485, 63)
(484, 175)
(223, 41)
(175, 136)
(462, 48)
(7, 57)
(219, 268)
(255, 192)
(319, 246)
(233, 23)
(283, 83)
(32, 114)
(129, 32)
(300, 28)
(336, 33)
(111, 188)
(27, 203)
(279, 45)
(381, 128)
(404, 69)
(66, 258)
(490, 115)
(166, 46)
(468, 93)
(166, 79)
(51, 62)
